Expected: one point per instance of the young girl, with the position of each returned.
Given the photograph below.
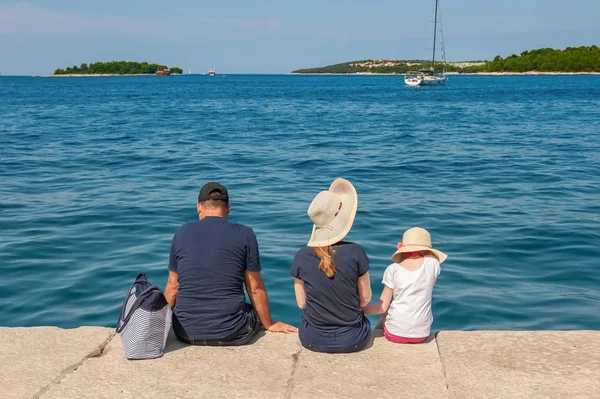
(410, 282)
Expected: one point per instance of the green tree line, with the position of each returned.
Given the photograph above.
(571, 59)
(116, 68)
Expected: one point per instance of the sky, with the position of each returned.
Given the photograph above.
(278, 36)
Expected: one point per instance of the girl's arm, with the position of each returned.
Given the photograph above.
(383, 304)
(300, 293)
(364, 290)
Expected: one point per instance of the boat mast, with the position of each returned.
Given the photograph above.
(434, 33)
(442, 45)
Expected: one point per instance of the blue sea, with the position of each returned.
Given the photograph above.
(97, 174)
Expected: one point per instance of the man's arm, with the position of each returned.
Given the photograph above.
(173, 282)
(258, 296)
(172, 288)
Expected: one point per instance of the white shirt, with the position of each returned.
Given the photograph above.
(409, 314)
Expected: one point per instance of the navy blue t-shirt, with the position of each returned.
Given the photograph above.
(210, 257)
(332, 302)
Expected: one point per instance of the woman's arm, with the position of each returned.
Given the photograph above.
(300, 293)
(383, 304)
(364, 290)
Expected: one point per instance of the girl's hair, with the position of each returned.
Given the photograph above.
(326, 264)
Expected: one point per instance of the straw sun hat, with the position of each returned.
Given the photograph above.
(332, 213)
(417, 239)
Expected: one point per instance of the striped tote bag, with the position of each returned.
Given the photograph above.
(145, 320)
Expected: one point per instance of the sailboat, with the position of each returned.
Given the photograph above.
(211, 72)
(427, 76)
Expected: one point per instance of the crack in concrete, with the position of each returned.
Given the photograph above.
(290, 381)
(96, 353)
(441, 361)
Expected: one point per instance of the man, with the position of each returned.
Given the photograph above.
(211, 259)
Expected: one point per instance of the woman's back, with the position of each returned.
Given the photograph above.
(409, 314)
(332, 302)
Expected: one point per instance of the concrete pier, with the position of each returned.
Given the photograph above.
(88, 362)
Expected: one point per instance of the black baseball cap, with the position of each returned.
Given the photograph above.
(213, 191)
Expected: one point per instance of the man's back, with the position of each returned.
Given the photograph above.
(210, 257)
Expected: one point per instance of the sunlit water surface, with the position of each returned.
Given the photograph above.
(98, 173)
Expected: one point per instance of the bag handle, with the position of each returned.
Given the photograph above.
(140, 277)
(135, 305)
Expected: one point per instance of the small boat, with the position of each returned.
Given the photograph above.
(211, 72)
(163, 72)
(427, 76)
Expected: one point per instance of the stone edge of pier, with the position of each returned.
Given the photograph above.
(88, 362)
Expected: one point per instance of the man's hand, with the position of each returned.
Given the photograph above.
(279, 327)
(258, 296)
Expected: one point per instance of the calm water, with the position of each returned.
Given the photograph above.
(98, 173)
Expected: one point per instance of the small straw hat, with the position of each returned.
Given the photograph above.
(332, 213)
(416, 239)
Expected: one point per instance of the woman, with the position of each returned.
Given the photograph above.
(331, 276)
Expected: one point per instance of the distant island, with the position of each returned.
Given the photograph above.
(571, 60)
(117, 68)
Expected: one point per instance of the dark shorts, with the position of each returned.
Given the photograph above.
(240, 338)
(337, 340)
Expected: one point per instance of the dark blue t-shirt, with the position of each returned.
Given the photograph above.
(332, 302)
(210, 257)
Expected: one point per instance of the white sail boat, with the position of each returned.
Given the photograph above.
(427, 76)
